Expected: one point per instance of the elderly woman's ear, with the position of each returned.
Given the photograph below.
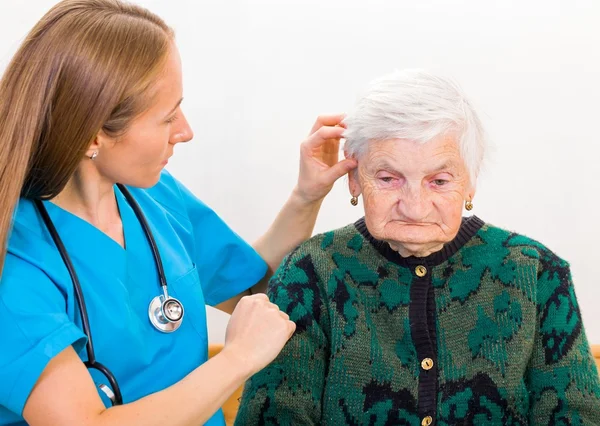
(353, 181)
(469, 195)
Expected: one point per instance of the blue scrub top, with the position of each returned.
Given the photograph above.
(205, 262)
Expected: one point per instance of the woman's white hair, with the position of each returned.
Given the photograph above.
(418, 106)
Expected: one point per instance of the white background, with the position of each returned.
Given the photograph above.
(258, 72)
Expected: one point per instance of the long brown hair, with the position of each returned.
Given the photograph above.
(86, 66)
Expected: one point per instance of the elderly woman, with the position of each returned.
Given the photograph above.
(415, 315)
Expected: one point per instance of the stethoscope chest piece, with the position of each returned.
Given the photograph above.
(165, 313)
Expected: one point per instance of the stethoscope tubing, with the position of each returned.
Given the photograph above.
(116, 398)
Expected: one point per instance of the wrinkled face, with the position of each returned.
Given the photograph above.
(138, 157)
(413, 194)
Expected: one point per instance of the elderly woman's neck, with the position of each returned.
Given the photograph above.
(416, 250)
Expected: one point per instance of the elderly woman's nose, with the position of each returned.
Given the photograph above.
(412, 211)
(413, 206)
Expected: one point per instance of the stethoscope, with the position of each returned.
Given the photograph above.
(165, 312)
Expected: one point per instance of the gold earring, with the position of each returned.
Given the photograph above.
(354, 200)
(468, 205)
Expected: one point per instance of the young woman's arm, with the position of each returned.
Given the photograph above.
(65, 393)
(319, 169)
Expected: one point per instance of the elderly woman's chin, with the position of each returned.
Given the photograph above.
(418, 239)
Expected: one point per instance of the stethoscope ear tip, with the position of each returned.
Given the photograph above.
(108, 392)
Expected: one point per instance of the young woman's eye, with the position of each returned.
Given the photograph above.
(172, 119)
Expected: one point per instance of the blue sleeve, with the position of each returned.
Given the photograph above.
(227, 265)
(35, 328)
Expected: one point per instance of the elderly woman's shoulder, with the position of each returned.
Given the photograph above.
(505, 244)
(322, 247)
(300, 269)
(322, 244)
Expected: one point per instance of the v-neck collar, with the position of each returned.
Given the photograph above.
(84, 241)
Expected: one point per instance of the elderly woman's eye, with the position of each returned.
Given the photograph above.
(440, 182)
(386, 179)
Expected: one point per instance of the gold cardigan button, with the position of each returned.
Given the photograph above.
(427, 364)
(421, 271)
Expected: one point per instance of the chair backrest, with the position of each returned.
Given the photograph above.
(596, 353)
(230, 407)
